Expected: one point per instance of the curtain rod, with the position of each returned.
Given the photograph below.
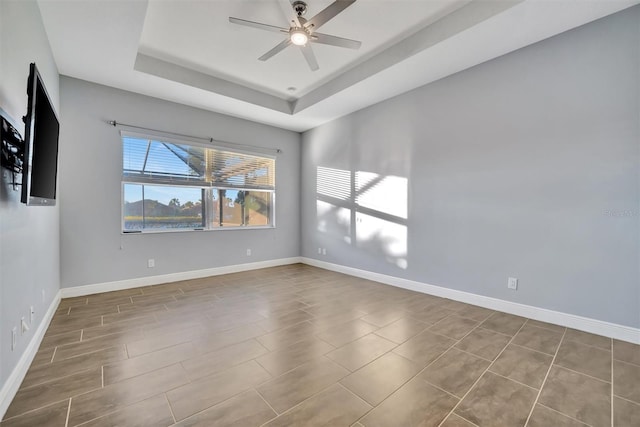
(208, 139)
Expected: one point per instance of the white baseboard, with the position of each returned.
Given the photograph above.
(78, 291)
(599, 327)
(11, 386)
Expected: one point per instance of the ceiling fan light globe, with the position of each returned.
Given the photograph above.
(299, 37)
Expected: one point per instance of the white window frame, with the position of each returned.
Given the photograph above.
(208, 189)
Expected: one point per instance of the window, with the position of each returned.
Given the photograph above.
(170, 185)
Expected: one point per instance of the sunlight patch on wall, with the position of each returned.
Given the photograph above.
(386, 194)
(334, 183)
(375, 233)
(334, 220)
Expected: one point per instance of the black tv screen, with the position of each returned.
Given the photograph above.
(41, 145)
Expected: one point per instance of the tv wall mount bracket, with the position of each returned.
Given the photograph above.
(12, 155)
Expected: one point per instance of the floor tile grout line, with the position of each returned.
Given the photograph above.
(626, 399)
(268, 404)
(564, 415)
(515, 381)
(612, 411)
(583, 374)
(170, 408)
(66, 422)
(532, 349)
(544, 381)
(32, 410)
(482, 375)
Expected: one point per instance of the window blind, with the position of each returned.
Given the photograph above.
(157, 161)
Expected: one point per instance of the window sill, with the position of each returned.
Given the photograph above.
(196, 230)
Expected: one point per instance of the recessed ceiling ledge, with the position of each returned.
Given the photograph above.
(167, 70)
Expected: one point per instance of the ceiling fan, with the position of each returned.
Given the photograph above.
(302, 32)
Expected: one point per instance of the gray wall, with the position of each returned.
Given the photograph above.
(94, 251)
(525, 166)
(29, 236)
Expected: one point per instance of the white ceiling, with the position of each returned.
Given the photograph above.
(188, 52)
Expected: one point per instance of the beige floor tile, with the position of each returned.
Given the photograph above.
(244, 410)
(523, 365)
(129, 368)
(54, 415)
(578, 396)
(414, 404)
(545, 417)
(588, 339)
(625, 413)
(287, 336)
(117, 328)
(280, 361)
(289, 389)
(28, 399)
(424, 348)
(454, 420)
(358, 353)
(116, 396)
(585, 359)
(504, 323)
(62, 324)
(539, 339)
(626, 381)
(484, 343)
(95, 344)
(402, 329)
(273, 323)
(60, 339)
(151, 412)
(199, 395)
(455, 372)
(544, 325)
(220, 360)
(626, 352)
(92, 310)
(158, 342)
(497, 401)
(431, 314)
(66, 367)
(340, 335)
(43, 356)
(377, 380)
(383, 318)
(335, 406)
(474, 312)
(454, 327)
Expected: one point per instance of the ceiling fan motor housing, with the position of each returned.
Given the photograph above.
(299, 7)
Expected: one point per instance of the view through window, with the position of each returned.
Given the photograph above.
(170, 185)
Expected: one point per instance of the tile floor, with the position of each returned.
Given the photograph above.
(300, 346)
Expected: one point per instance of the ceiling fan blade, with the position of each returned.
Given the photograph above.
(309, 56)
(335, 41)
(279, 47)
(292, 17)
(327, 14)
(257, 25)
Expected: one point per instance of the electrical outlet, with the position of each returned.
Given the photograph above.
(512, 283)
(32, 313)
(24, 327)
(151, 263)
(14, 338)
(319, 251)
(324, 251)
(248, 252)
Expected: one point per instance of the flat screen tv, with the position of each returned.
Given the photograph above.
(42, 127)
